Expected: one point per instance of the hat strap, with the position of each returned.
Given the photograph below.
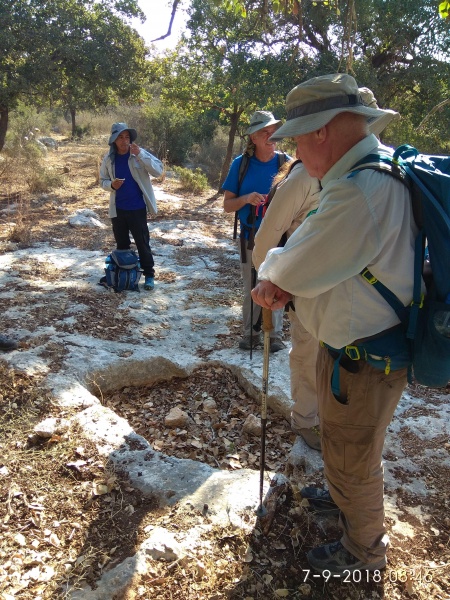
(317, 106)
(257, 123)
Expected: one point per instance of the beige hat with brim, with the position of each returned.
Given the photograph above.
(314, 103)
(378, 125)
(261, 119)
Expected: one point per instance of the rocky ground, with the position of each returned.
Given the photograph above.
(130, 437)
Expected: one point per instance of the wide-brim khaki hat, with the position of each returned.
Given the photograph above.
(117, 129)
(314, 103)
(378, 125)
(261, 119)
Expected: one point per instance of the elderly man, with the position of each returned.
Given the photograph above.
(364, 219)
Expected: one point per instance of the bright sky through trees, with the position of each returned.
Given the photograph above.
(157, 23)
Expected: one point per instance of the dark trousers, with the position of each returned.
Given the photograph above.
(134, 222)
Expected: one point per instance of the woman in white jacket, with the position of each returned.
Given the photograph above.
(296, 195)
(125, 171)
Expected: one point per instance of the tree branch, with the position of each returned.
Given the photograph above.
(172, 17)
(433, 110)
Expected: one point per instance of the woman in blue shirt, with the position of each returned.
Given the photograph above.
(262, 164)
(125, 172)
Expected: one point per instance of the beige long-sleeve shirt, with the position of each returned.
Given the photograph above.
(363, 220)
(294, 198)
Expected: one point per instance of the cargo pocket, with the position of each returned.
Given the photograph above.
(348, 448)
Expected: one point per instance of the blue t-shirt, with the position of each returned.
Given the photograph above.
(129, 195)
(258, 178)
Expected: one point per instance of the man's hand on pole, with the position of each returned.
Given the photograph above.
(268, 295)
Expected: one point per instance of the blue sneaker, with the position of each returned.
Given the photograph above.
(149, 283)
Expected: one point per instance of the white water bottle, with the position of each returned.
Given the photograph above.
(442, 320)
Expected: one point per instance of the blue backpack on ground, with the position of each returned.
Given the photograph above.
(122, 271)
(427, 319)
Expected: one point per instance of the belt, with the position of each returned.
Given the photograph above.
(396, 354)
(347, 363)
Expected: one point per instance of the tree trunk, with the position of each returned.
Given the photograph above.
(231, 135)
(4, 117)
(74, 126)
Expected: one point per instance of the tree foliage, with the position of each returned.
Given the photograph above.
(235, 61)
(227, 64)
(78, 54)
(172, 132)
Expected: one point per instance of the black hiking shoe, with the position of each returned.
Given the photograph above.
(6, 345)
(276, 344)
(244, 344)
(337, 560)
(319, 500)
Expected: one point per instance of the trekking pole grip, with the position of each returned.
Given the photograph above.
(267, 324)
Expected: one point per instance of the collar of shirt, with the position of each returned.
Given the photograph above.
(345, 163)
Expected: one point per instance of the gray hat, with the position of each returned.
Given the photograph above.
(261, 119)
(313, 104)
(117, 129)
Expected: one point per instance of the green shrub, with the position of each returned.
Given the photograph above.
(26, 120)
(43, 180)
(192, 181)
(170, 133)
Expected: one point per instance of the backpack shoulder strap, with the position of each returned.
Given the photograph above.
(282, 158)
(383, 163)
(243, 168)
(407, 315)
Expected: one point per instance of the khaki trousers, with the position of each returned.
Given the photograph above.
(352, 445)
(277, 315)
(302, 364)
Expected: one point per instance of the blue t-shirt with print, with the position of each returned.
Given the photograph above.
(129, 195)
(258, 178)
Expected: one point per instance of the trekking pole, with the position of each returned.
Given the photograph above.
(252, 285)
(252, 274)
(267, 327)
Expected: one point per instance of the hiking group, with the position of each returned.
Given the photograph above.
(322, 236)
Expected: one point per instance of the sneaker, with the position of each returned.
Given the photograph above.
(149, 283)
(311, 436)
(276, 344)
(6, 345)
(320, 501)
(336, 559)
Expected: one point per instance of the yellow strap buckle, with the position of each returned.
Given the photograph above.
(369, 277)
(352, 352)
(422, 299)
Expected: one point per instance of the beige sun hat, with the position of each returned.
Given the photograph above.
(261, 119)
(378, 125)
(117, 129)
(313, 104)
